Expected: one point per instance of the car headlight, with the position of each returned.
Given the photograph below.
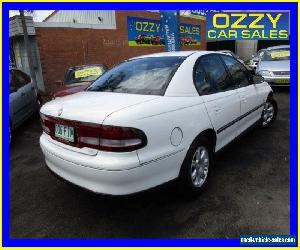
(264, 73)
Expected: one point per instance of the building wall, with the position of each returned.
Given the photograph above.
(61, 48)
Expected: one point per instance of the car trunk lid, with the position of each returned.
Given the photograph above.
(92, 107)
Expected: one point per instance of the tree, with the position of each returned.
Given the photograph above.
(28, 48)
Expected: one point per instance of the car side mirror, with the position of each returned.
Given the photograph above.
(59, 83)
(258, 79)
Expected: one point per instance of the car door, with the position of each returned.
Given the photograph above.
(17, 99)
(220, 97)
(29, 91)
(249, 93)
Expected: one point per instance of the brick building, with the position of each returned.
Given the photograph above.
(68, 39)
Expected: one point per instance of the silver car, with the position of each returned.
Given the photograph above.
(274, 65)
(23, 98)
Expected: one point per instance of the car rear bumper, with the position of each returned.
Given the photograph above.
(103, 180)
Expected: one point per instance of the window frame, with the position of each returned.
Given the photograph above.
(216, 89)
(199, 64)
(248, 74)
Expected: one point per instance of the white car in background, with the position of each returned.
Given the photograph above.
(152, 119)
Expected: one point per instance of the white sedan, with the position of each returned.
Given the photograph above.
(152, 119)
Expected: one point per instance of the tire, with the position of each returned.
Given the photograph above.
(269, 113)
(191, 186)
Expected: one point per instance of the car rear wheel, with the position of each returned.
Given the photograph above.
(269, 113)
(196, 167)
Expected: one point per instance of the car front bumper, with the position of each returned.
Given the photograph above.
(278, 80)
(105, 173)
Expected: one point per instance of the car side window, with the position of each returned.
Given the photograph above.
(202, 84)
(238, 72)
(217, 72)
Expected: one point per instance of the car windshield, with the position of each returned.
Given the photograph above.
(276, 55)
(83, 74)
(146, 76)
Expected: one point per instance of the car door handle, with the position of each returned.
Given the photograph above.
(22, 94)
(244, 99)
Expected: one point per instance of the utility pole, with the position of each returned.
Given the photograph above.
(28, 49)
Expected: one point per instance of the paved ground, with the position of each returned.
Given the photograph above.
(248, 194)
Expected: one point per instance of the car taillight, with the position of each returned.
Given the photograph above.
(101, 137)
(111, 138)
(45, 124)
(121, 139)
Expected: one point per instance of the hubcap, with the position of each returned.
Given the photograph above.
(268, 114)
(199, 166)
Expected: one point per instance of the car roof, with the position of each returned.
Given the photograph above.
(225, 50)
(279, 47)
(177, 53)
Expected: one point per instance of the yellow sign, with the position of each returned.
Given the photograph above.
(94, 71)
(279, 54)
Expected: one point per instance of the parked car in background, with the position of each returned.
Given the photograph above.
(24, 100)
(274, 65)
(252, 63)
(138, 126)
(78, 78)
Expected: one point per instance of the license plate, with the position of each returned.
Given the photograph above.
(64, 132)
(282, 81)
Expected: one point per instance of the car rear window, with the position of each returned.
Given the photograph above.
(146, 76)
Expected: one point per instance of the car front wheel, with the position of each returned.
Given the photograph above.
(269, 113)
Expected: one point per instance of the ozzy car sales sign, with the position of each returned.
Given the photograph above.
(247, 26)
(149, 32)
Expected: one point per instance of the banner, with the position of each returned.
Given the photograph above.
(149, 32)
(170, 25)
(247, 26)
